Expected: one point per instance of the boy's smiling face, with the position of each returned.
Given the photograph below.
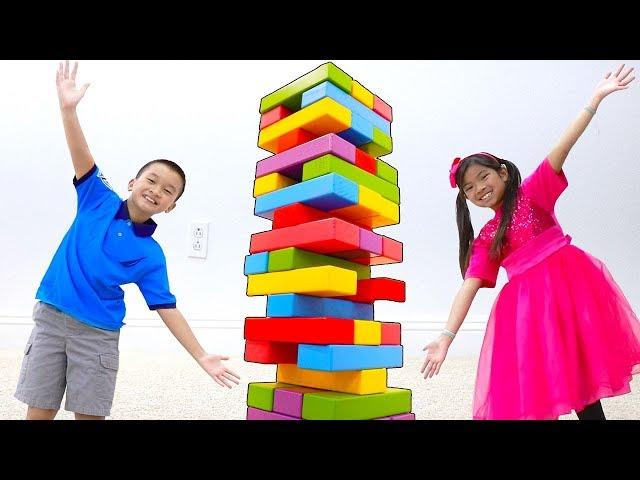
(483, 186)
(154, 191)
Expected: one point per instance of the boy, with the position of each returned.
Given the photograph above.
(74, 342)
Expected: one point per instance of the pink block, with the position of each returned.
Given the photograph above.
(257, 414)
(288, 402)
(382, 108)
(289, 162)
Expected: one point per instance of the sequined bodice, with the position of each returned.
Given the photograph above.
(528, 221)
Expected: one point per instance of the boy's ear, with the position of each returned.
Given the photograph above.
(171, 207)
(131, 184)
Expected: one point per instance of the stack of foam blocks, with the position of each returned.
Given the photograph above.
(325, 190)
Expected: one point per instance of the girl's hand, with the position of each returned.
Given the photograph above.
(68, 94)
(612, 83)
(436, 353)
(213, 365)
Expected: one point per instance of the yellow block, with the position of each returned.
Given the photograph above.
(371, 205)
(269, 183)
(360, 382)
(361, 94)
(322, 117)
(325, 281)
(367, 332)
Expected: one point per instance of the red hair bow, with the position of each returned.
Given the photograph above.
(452, 172)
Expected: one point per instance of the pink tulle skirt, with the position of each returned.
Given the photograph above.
(560, 336)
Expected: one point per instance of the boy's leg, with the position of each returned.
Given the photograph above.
(92, 369)
(34, 413)
(81, 416)
(42, 375)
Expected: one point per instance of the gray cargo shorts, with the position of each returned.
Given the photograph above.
(65, 353)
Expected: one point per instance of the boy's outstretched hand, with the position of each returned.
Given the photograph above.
(612, 83)
(68, 94)
(212, 364)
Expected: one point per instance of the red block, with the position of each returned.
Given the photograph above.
(366, 161)
(329, 236)
(293, 139)
(390, 332)
(273, 115)
(382, 108)
(380, 288)
(270, 352)
(298, 213)
(295, 214)
(314, 330)
(391, 253)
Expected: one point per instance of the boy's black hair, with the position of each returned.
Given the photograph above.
(173, 166)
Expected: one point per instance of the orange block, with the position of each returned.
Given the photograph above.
(292, 139)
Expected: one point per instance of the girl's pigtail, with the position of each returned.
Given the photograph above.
(508, 206)
(465, 231)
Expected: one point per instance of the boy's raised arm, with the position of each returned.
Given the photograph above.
(69, 96)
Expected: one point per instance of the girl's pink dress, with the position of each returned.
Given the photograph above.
(561, 333)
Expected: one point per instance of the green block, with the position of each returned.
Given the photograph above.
(347, 406)
(381, 144)
(332, 164)
(291, 94)
(386, 172)
(292, 258)
(260, 394)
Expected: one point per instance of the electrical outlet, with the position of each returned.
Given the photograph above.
(198, 240)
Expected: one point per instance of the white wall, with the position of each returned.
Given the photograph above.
(204, 115)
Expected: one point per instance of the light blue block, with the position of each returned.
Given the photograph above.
(361, 131)
(338, 358)
(328, 89)
(256, 263)
(296, 305)
(327, 192)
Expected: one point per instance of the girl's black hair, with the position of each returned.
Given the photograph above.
(463, 218)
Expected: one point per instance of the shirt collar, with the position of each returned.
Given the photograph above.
(145, 229)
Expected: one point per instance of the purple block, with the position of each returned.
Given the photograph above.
(404, 416)
(371, 242)
(289, 163)
(257, 414)
(288, 402)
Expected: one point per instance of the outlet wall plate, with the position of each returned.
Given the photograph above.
(198, 239)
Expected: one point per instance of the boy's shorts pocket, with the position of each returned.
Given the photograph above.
(106, 375)
(25, 363)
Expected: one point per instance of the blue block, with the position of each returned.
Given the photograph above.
(361, 131)
(296, 305)
(256, 263)
(328, 89)
(338, 358)
(326, 192)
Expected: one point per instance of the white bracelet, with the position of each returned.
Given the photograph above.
(448, 333)
(590, 110)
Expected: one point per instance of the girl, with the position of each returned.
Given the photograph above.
(561, 335)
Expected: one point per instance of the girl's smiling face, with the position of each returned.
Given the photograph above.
(484, 186)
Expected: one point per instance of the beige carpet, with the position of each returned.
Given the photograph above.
(172, 386)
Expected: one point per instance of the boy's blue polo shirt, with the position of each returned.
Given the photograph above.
(102, 250)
